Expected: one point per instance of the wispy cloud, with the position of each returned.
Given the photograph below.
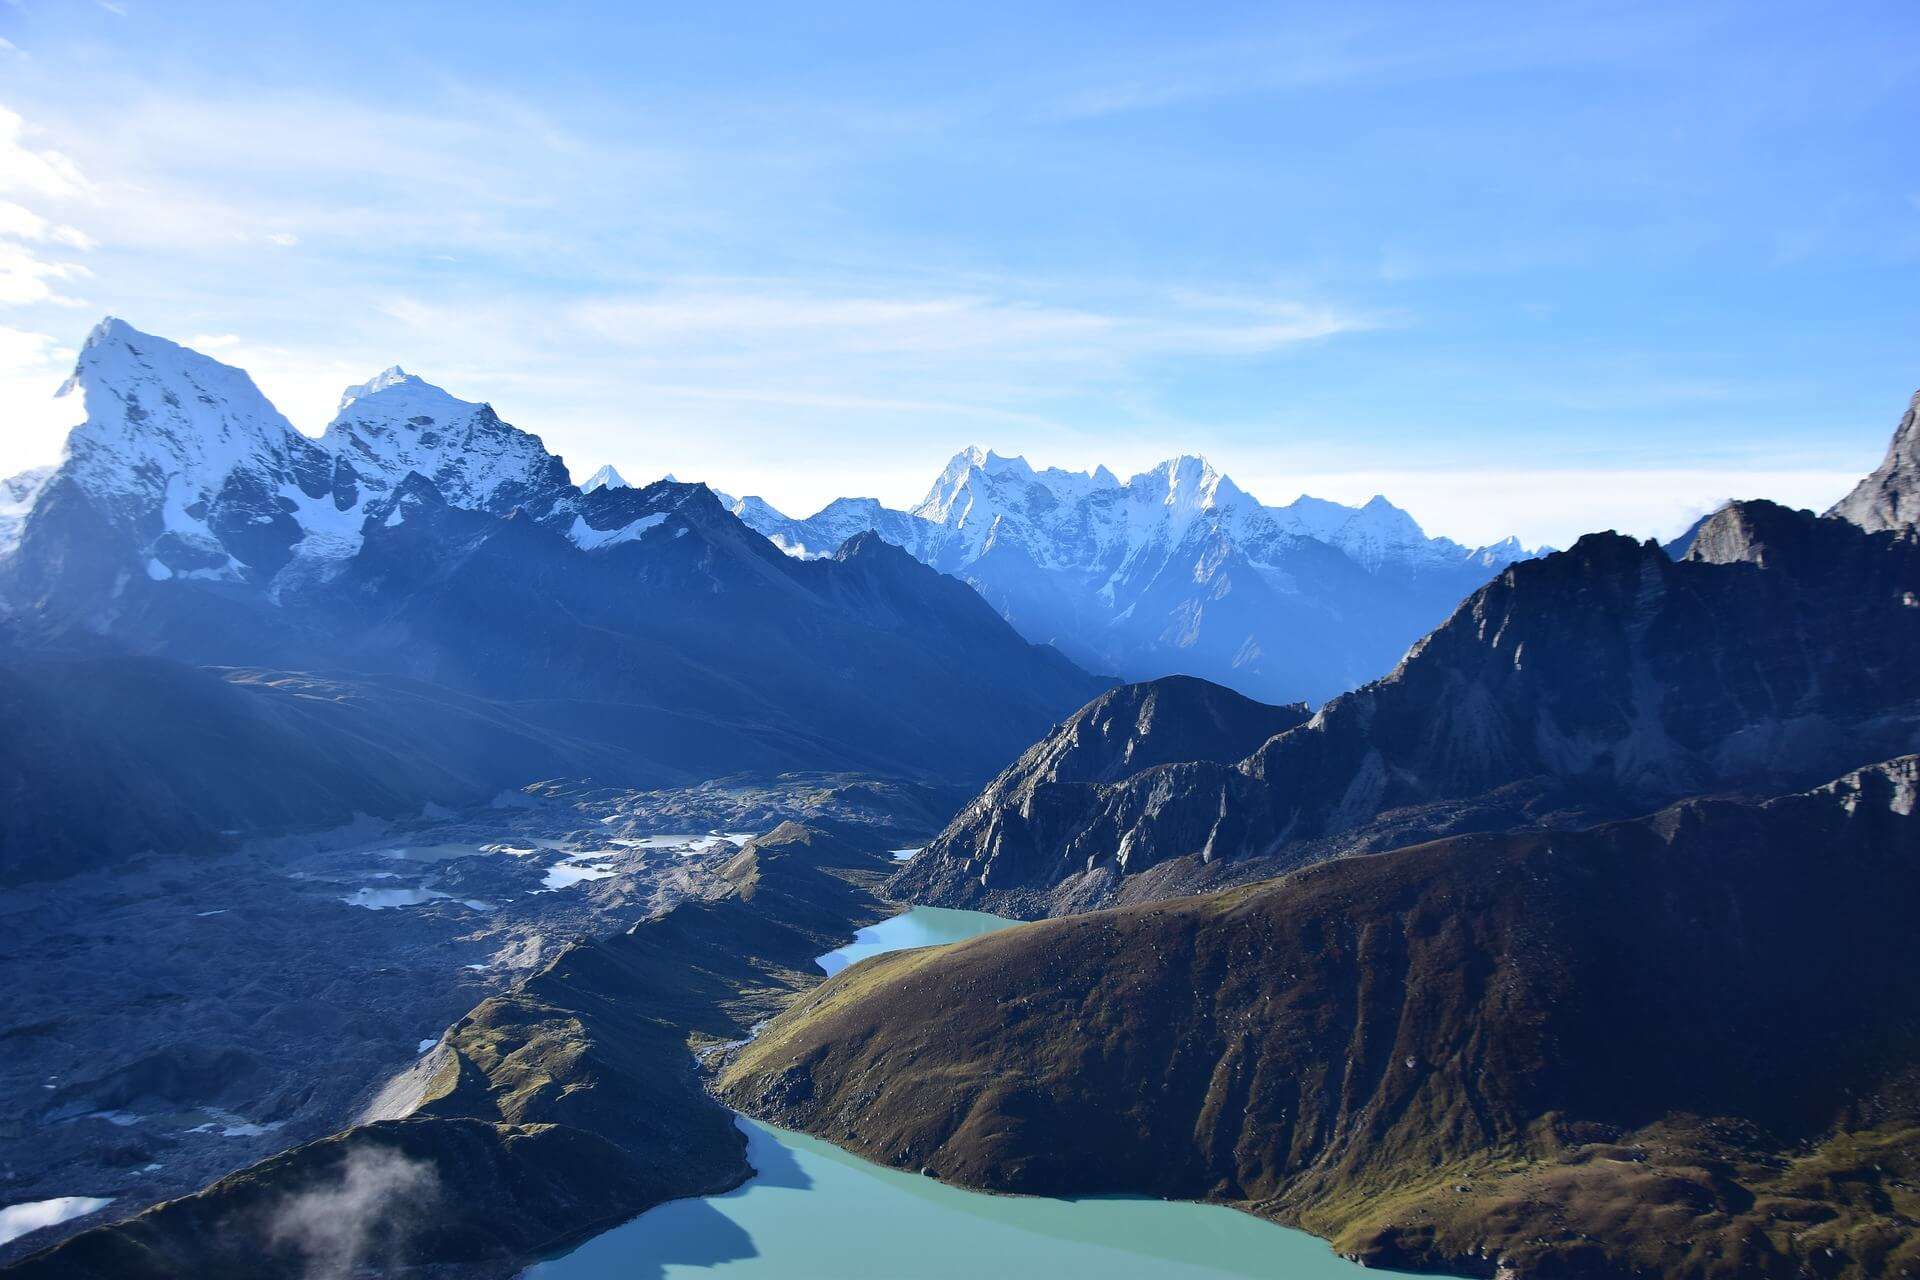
(1025, 328)
(44, 176)
(1371, 45)
(808, 264)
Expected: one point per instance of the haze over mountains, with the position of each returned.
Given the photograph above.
(1176, 570)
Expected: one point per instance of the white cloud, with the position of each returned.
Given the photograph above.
(284, 239)
(210, 342)
(27, 275)
(22, 351)
(32, 367)
(36, 171)
(26, 278)
(21, 223)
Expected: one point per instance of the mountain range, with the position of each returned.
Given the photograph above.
(646, 635)
(1514, 1040)
(1593, 683)
(1175, 571)
(1611, 996)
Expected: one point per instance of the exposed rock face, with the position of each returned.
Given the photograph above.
(1175, 570)
(1669, 1046)
(1594, 682)
(1035, 803)
(1890, 497)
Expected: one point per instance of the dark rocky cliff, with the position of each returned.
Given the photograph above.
(1596, 682)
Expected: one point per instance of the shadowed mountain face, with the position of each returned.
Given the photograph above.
(1592, 683)
(868, 660)
(109, 757)
(1673, 1045)
(645, 635)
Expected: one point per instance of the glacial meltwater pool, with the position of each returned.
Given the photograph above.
(920, 927)
(815, 1212)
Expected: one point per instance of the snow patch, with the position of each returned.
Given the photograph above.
(17, 1220)
(588, 538)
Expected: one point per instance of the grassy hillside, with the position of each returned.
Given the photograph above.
(1684, 1045)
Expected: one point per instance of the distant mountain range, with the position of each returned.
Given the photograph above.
(647, 633)
(1175, 571)
(1593, 683)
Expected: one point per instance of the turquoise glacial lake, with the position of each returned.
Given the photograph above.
(814, 1212)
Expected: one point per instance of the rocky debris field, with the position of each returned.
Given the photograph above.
(184, 1017)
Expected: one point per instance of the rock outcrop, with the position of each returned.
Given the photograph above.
(1889, 499)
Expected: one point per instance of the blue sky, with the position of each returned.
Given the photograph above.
(1535, 268)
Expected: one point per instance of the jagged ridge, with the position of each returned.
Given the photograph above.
(1595, 682)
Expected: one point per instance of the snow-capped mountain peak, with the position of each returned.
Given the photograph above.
(202, 477)
(391, 376)
(396, 423)
(996, 465)
(172, 405)
(605, 478)
(1186, 485)
(394, 393)
(1177, 568)
(187, 456)
(971, 491)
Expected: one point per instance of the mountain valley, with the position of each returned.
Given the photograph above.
(388, 811)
